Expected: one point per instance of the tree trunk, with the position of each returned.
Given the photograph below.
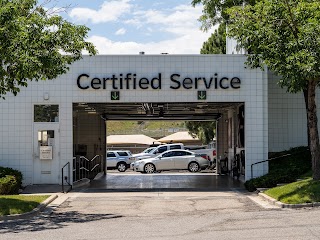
(305, 94)
(313, 129)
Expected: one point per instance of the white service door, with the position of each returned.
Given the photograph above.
(46, 153)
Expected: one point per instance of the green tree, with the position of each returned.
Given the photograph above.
(216, 44)
(205, 131)
(284, 35)
(36, 45)
(214, 11)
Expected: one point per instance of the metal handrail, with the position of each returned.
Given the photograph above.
(83, 157)
(270, 159)
(65, 178)
(95, 166)
(85, 168)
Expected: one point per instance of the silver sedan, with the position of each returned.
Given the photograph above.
(172, 160)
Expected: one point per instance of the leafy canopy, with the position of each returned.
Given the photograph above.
(216, 43)
(282, 34)
(214, 11)
(205, 131)
(36, 45)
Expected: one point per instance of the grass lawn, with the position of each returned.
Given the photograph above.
(17, 204)
(305, 191)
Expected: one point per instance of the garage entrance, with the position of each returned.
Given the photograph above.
(89, 128)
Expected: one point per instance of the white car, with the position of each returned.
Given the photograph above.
(147, 150)
(178, 159)
(157, 150)
(119, 159)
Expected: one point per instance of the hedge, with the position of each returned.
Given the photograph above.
(10, 181)
(283, 170)
(8, 185)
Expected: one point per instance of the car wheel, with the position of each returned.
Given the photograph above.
(149, 168)
(122, 167)
(193, 167)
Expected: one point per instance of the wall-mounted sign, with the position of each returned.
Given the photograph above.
(202, 95)
(115, 95)
(46, 152)
(177, 81)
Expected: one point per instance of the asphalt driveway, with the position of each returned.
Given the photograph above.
(226, 211)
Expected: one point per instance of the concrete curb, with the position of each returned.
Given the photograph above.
(35, 211)
(285, 205)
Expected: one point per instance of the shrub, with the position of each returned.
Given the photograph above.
(9, 171)
(300, 159)
(9, 185)
(10, 181)
(283, 170)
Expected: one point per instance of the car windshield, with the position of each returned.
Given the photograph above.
(159, 149)
(148, 150)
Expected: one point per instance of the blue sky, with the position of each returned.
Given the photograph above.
(132, 26)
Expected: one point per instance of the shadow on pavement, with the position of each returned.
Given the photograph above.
(53, 221)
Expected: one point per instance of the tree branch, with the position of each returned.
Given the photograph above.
(293, 25)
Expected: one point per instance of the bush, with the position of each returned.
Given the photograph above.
(9, 171)
(300, 160)
(10, 181)
(9, 185)
(283, 170)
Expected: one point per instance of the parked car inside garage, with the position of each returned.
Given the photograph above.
(177, 159)
(147, 150)
(119, 159)
(157, 150)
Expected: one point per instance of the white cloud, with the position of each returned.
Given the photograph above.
(190, 43)
(121, 31)
(178, 25)
(177, 21)
(110, 11)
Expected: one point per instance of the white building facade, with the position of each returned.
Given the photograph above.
(39, 145)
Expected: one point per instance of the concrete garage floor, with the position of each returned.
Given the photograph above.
(165, 181)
